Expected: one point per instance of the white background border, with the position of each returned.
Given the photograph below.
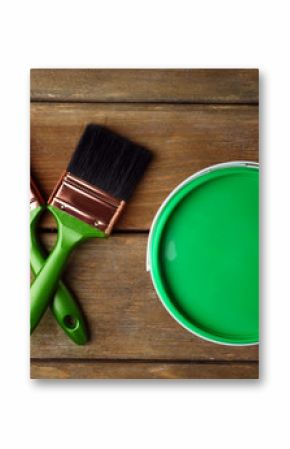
(152, 414)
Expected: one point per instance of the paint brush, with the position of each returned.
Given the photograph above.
(64, 308)
(87, 201)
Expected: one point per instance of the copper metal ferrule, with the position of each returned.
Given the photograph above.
(86, 202)
(35, 197)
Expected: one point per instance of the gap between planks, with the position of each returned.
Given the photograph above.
(147, 103)
(138, 360)
(115, 232)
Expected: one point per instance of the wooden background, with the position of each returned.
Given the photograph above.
(190, 119)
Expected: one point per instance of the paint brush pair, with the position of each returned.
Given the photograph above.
(63, 306)
(87, 201)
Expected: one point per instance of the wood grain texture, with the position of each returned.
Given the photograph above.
(183, 138)
(174, 86)
(46, 369)
(125, 316)
(190, 119)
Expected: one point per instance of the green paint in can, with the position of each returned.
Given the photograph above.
(203, 253)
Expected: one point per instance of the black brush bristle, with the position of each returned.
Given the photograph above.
(109, 161)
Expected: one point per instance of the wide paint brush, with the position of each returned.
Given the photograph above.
(64, 308)
(87, 201)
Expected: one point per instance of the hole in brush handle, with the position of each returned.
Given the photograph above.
(71, 322)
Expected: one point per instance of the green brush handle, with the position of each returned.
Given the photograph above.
(71, 232)
(64, 308)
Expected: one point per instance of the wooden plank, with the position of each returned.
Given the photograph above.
(45, 369)
(125, 317)
(183, 138)
(174, 86)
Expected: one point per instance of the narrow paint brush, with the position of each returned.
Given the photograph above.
(87, 201)
(64, 308)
